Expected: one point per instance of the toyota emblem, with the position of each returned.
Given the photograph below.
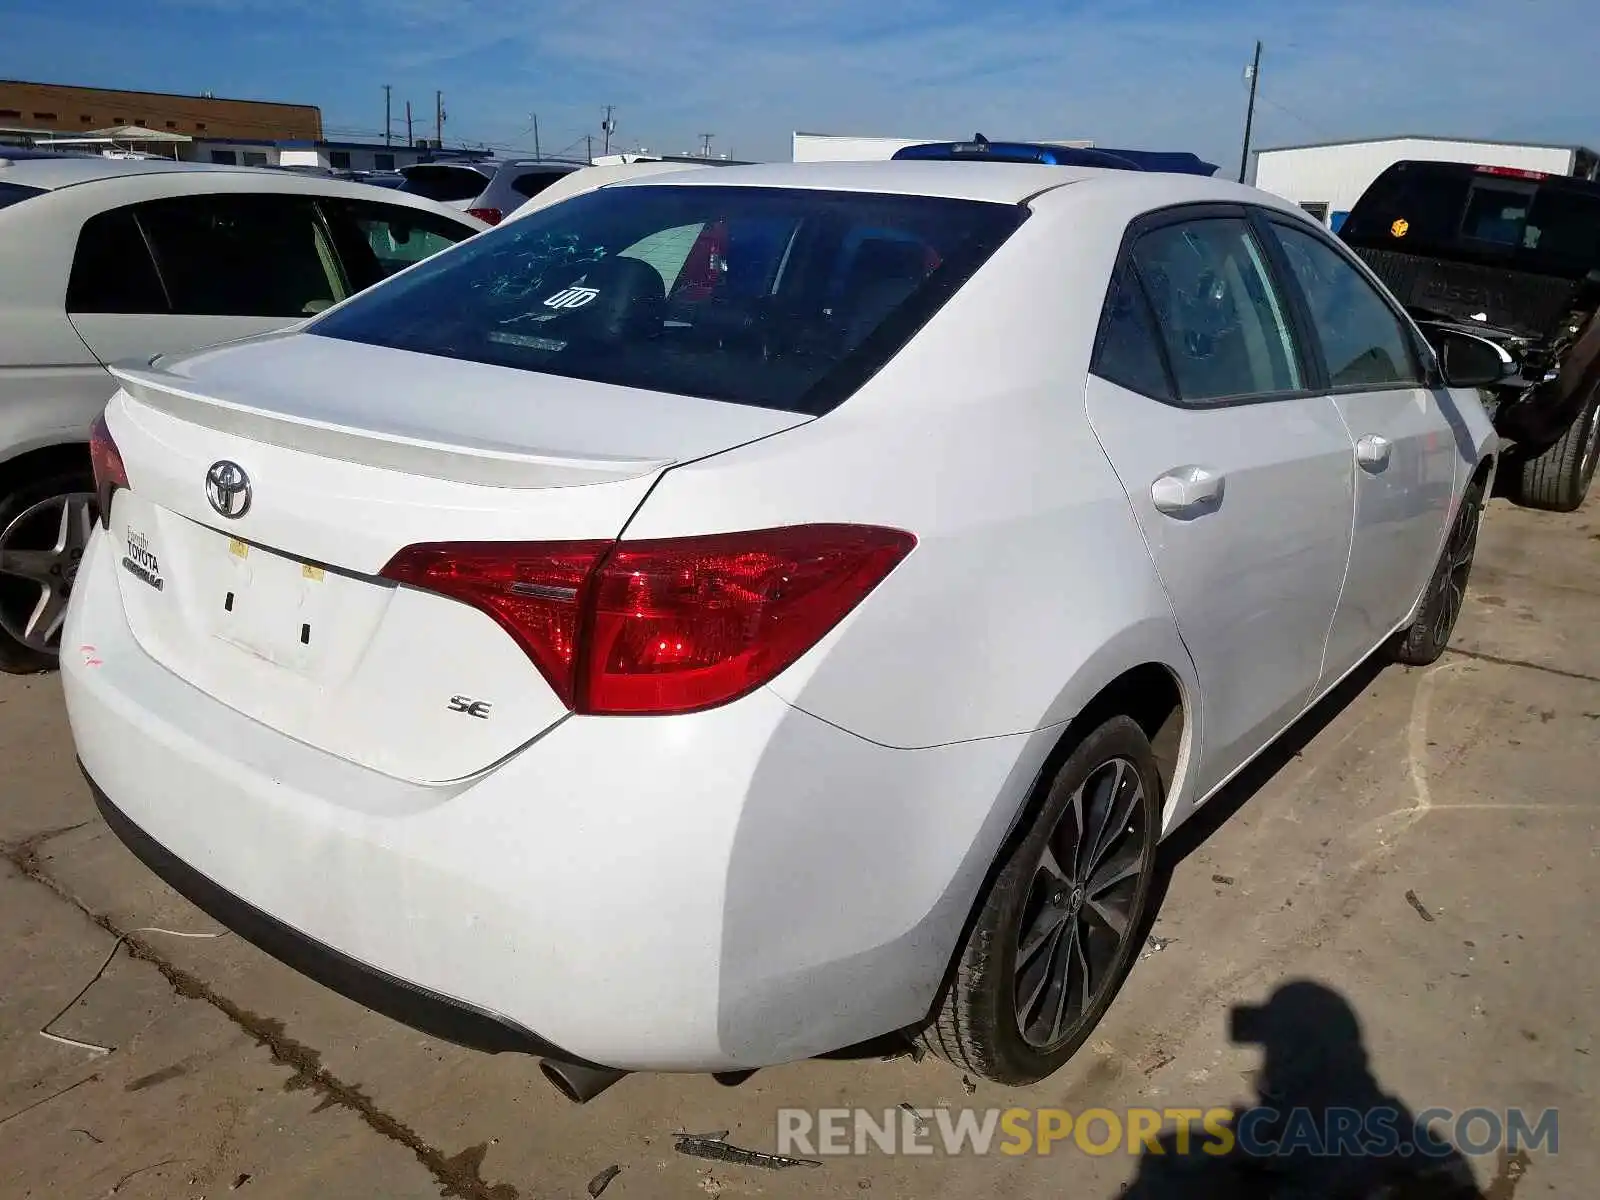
(228, 489)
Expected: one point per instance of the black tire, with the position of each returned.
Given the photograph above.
(24, 523)
(1559, 479)
(1424, 640)
(976, 1025)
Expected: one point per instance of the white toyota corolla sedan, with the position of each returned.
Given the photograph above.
(722, 618)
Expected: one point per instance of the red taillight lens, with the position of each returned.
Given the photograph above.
(535, 590)
(491, 215)
(1511, 172)
(690, 623)
(668, 626)
(109, 473)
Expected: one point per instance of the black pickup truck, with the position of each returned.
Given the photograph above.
(1513, 256)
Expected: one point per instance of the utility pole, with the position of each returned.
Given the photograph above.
(588, 141)
(608, 127)
(386, 117)
(535, 117)
(410, 140)
(705, 144)
(1250, 113)
(438, 118)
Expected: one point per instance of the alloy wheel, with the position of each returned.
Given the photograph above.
(40, 549)
(1080, 906)
(1463, 544)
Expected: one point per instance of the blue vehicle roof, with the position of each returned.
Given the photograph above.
(981, 149)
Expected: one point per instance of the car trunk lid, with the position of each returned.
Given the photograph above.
(268, 598)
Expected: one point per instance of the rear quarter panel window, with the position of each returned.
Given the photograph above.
(112, 271)
(1129, 351)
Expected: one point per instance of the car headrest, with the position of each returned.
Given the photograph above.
(614, 299)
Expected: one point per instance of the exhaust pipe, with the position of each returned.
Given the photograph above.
(578, 1083)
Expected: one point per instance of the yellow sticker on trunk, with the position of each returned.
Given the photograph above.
(310, 572)
(238, 549)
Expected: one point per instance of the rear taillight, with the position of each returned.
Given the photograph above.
(1511, 172)
(667, 626)
(109, 473)
(491, 215)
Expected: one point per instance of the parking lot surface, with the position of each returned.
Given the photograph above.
(1423, 846)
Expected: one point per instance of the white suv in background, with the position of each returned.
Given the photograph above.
(103, 260)
(489, 189)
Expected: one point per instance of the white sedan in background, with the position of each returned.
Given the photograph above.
(726, 616)
(108, 259)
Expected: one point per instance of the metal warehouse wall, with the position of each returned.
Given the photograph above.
(1337, 175)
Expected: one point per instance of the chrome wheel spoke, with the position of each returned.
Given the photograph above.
(1044, 971)
(1108, 914)
(32, 565)
(1121, 869)
(66, 523)
(1126, 793)
(44, 625)
(1080, 951)
(1040, 936)
(1050, 869)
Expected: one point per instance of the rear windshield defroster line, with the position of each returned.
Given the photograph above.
(780, 298)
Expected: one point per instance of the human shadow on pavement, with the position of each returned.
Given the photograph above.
(1321, 1127)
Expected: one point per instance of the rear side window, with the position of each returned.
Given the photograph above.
(243, 255)
(15, 193)
(780, 298)
(1129, 350)
(376, 240)
(112, 271)
(1363, 343)
(444, 184)
(1223, 323)
(534, 182)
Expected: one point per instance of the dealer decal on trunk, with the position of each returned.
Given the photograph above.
(140, 561)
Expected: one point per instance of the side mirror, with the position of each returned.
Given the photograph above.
(1469, 361)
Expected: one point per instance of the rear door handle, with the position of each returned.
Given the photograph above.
(1187, 491)
(1372, 452)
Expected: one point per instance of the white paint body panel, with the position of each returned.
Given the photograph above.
(682, 858)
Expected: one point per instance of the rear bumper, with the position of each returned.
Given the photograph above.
(433, 1014)
(727, 889)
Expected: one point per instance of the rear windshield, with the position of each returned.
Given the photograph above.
(1459, 212)
(15, 193)
(444, 184)
(779, 298)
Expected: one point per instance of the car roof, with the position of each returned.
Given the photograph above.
(55, 171)
(486, 168)
(995, 182)
(179, 178)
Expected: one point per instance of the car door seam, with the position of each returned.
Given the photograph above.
(1349, 553)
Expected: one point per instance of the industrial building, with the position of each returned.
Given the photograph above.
(58, 108)
(1327, 178)
(830, 147)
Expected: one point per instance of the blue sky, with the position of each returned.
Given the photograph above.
(1157, 74)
